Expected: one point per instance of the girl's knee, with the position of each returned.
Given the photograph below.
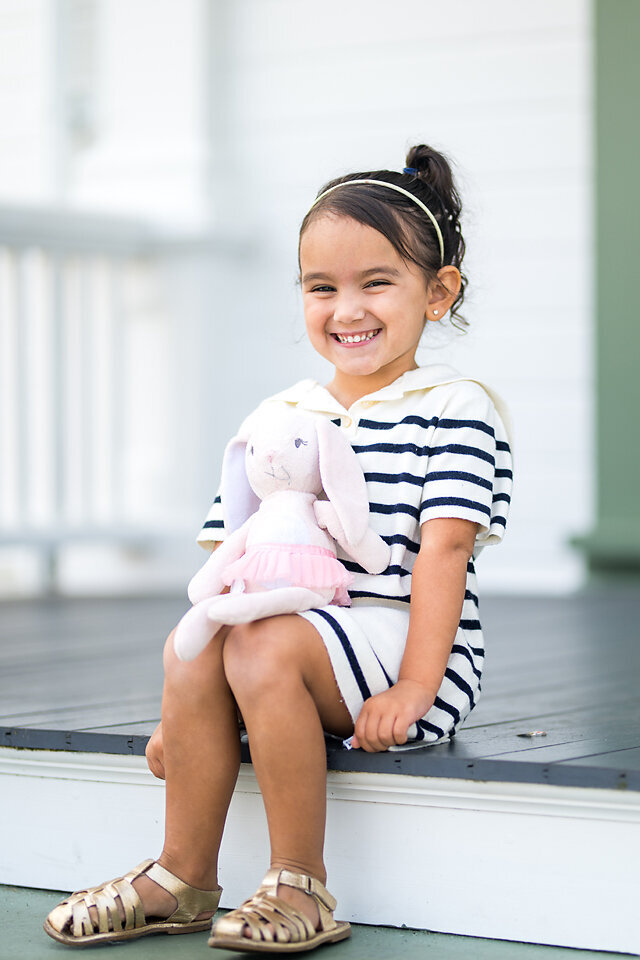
(196, 676)
(259, 654)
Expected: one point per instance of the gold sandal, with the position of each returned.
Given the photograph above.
(292, 931)
(71, 923)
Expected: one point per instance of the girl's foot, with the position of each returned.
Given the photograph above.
(303, 902)
(289, 912)
(148, 899)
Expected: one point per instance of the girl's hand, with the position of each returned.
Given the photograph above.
(155, 753)
(385, 718)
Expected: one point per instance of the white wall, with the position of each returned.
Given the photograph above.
(504, 89)
(278, 96)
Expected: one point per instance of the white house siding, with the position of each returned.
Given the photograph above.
(27, 142)
(277, 96)
(504, 89)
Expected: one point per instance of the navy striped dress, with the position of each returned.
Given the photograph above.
(431, 445)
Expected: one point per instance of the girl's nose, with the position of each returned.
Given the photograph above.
(348, 309)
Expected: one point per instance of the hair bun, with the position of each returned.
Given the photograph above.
(433, 169)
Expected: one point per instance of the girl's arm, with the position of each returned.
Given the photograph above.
(437, 593)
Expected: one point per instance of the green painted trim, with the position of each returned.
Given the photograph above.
(615, 541)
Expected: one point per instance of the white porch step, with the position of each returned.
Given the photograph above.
(511, 861)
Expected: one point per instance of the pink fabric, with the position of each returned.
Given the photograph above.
(296, 564)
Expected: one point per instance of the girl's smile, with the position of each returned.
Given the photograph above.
(365, 307)
(353, 339)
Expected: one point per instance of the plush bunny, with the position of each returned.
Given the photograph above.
(279, 555)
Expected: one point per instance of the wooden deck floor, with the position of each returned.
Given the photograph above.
(86, 675)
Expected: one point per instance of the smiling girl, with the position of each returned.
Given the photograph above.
(380, 258)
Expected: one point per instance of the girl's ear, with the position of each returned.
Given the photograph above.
(343, 480)
(239, 501)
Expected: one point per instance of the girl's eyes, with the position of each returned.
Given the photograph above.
(327, 288)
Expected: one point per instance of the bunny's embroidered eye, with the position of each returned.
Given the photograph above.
(251, 449)
(299, 442)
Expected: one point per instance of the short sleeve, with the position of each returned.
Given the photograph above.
(213, 527)
(469, 469)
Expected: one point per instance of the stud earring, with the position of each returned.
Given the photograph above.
(435, 313)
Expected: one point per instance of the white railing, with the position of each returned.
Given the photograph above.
(85, 330)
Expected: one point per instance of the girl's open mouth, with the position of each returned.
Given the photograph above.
(353, 338)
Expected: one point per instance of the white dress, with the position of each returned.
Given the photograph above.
(432, 444)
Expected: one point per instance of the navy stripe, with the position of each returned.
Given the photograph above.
(448, 708)
(471, 596)
(504, 474)
(405, 541)
(501, 496)
(210, 524)
(386, 425)
(454, 502)
(470, 567)
(458, 475)
(463, 449)
(501, 521)
(425, 451)
(348, 649)
(390, 508)
(470, 625)
(459, 648)
(394, 478)
(431, 727)
(377, 596)
(386, 675)
(503, 445)
(477, 651)
(460, 684)
(419, 732)
(440, 422)
(396, 569)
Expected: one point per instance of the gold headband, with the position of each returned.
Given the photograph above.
(391, 186)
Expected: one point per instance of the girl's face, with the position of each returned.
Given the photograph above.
(365, 308)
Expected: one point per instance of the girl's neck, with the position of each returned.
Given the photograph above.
(348, 390)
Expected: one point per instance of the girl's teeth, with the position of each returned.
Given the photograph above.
(358, 337)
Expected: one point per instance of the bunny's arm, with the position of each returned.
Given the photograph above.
(372, 553)
(208, 580)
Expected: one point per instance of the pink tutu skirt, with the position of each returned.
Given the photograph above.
(295, 564)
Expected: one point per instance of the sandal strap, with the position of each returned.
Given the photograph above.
(309, 885)
(266, 907)
(74, 911)
(191, 900)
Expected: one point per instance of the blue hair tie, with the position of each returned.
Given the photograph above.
(411, 170)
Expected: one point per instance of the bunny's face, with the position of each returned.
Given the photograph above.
(282, 454)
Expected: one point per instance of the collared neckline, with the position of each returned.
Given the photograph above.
(311, 395)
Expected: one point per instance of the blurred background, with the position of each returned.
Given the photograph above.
(156, 159)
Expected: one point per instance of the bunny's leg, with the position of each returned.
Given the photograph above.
(247, 607)
(194, 632)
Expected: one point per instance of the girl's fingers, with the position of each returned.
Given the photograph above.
(400, 729)
(386, 730)
(366, 729)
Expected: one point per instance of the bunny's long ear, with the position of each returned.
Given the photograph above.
(343, 480)
(239, 501)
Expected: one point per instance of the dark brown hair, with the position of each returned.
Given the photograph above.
(400, 220)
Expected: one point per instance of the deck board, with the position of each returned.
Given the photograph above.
(85, 674)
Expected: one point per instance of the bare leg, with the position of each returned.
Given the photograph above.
(281, 676)
(201, 748)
